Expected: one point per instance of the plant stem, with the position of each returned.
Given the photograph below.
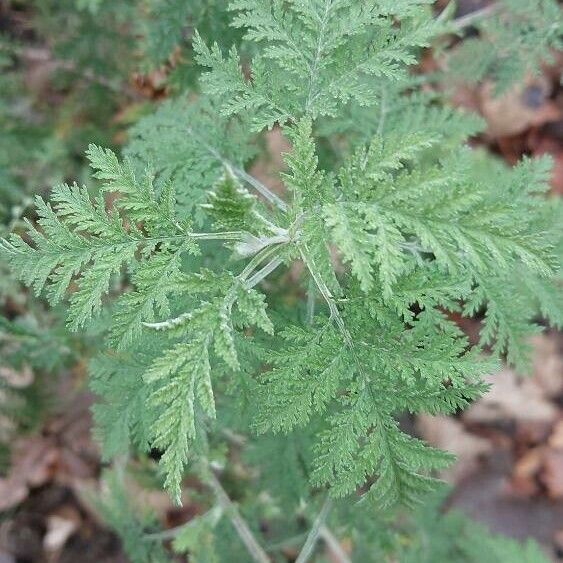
(240, 173)
(257, 259)
(311, 298)
(327, 295)
(228, 235)
(168, 323)
(315, 532)
(260, 188)
(240, 525)
(264, 272)
(334, 546)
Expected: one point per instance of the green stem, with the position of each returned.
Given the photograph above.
(227, 235)
(315, 532)
(263, 255)
(241, 174)
(311, 300)
(327, 295)
(338, 554)
(247, 537)
(264, 272)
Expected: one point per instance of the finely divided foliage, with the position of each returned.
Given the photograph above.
(323, 53)
(398, 233)
(513, 42)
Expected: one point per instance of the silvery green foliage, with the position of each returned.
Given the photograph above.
(402, 227)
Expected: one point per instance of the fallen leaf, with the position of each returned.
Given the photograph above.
(59, 530)
(552, 474)
(450, 434)
(556, 438)
(548, 364)
(512, 397)
(18, 379)
(525, 473)
(518, 109)
(33, 464)
(34, 460)
(529, 435)
(12, 492)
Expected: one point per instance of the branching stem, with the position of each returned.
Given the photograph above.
(326, 293)
(264, 272)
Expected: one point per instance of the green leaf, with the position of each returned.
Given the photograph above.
(181, 377)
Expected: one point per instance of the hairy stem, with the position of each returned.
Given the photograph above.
(264, 254)
(249, 277)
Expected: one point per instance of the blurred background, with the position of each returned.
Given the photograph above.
(74, 72)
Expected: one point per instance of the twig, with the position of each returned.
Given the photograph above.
(240, 525)
(315, 532)
(468, 20)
